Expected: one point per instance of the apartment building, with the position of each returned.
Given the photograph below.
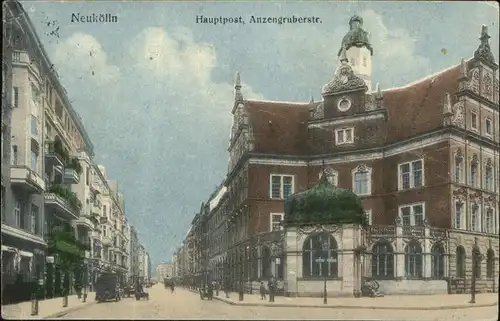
(134, 248)
(425, 154)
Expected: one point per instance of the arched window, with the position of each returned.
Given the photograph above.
(319, 256)
(460, 263)
(413, 260)
(266, 262)
(383, 260)
(437, 261)
(490, 264)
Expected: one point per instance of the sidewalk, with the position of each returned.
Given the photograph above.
(394, 302)
(47, 309)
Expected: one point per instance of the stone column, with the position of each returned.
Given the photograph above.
(427, 272)
(348, 262)
(399, 253)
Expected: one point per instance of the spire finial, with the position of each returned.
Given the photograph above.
(484, 51)
(238, 96)
(237, 82)
(343, 56)
(463, 67)
(484, 33)
(378, 92)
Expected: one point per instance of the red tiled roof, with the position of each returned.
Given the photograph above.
(279, 127)
(418, 107)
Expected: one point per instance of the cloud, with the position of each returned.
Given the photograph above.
(83, 56)
(313, 50)
(182, 68)
(394, 51)
(163, 121)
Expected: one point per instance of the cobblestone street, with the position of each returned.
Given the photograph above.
(185, 304)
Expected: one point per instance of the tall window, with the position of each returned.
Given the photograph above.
(383, 260)
(474, 218)
(487, 126)
(488, 178)
(15, 156)
(460, 262)
(458, 214)
(490, 264)
(34, 219)
(319, 256)
(34, 128)
(473, 174)
(87, 176)
(489, 226)
(344, 136)
(412, 215)
(459, 169)
(411, 174)
(413, 260)
(437, 261)
(17, 213)
(281, 186)
(275, 224)
(362, 180)
(15, 96)
(473, 122)
(34, 158)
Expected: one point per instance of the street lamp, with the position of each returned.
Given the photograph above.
(321, 260)
(241, 278)
(477, 257)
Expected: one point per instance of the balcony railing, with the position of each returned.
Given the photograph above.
(55, 150)
(63, 192)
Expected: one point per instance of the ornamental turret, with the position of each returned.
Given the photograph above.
(358, 50)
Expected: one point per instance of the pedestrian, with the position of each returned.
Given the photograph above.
(271, 286)
(262, 290)
(217, 288)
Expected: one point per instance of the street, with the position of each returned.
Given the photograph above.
(187, 305)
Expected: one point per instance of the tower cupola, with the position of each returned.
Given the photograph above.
(358, 50)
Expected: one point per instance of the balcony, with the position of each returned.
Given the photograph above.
(72, 172)
(63, 201)
(86, 221)
(26, 178)
(107, 241)
(55, 155)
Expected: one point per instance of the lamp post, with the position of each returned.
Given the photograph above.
(320, 261)
(241, 278)
(477, 257)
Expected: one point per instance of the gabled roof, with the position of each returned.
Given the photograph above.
(279, 127)
(417, 107)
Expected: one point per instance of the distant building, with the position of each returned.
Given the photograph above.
(164, 271)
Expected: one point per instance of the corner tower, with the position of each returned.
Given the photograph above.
(359, 51)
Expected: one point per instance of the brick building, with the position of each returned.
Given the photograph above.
(425, 154)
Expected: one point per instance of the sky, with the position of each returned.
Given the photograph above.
(155, 89)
